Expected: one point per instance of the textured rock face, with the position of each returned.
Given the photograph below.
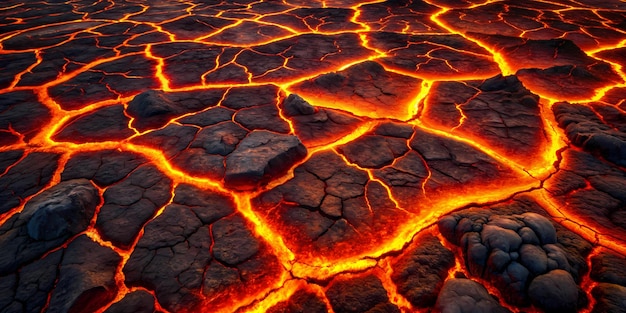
(521, 254)
(137, 301)
(312, 156)
(25, 177)
(197, 251)
(609, 270)
(373, 91)
(499, 112)
(46, 222)
(65, 211)
(421, 271)
(79, 278)
(260, 156)
(361, 294)
(464, 295)
(300, 302)
(555, 291)
(588, 130)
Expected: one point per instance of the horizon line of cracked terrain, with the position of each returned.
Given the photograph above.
(312, 156)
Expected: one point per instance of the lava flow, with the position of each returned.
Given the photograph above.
(312, 156)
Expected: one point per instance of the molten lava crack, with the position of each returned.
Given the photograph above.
(298, 156)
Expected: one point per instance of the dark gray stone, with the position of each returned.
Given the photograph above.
(420, 272)
(260, 156)
(294, 105)
(66, 210)
(46, 222)
(555, 291)
(360, 294)
(460, 295)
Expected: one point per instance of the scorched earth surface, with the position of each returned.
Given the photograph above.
(301, 156)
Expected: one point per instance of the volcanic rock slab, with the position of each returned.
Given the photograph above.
(421, 271)
(79, 277)
(366, 88)
(20, 116)
(498, 112)
(47, 221)
(198, 251)
(359, 294)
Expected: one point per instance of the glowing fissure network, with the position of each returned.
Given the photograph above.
(283, 156)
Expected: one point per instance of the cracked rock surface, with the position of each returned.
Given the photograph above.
(312, 156)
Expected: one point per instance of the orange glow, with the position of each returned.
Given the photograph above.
(270, 43)
(390, 286)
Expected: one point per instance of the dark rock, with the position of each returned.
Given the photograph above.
(374, 151)
(220, 139)
(25, 178)
(174, 246)
(8, 158)
(294, 105)
(359, 294)
(86, 278)
(234, 243)
(47, 221)
(261, 156)
(421, 270)
(608, 268)
(103, 167)
(171, 140)
(569, 81)
(555, 291)
(318, 126)
(372, 91)
(532, 53)
(247, 97)
(589, 187)
(609, 298)
(302, 301)
(323, 52)
(79, 278)
(430, 56)
(464, 295)
(105, 124)
(29, 291)
(585, 129)
(534, 258)
(327, 205)
(21, 112)
(209, 117)
(512, 260)
(180, 252)
(498, 112)
(134, 302)
(541, 226)
(208, 206)
(152, 109)
(262, 117)
(129, 204)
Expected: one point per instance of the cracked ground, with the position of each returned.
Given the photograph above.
(312, 156)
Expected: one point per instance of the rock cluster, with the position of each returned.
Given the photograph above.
(520, 254)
